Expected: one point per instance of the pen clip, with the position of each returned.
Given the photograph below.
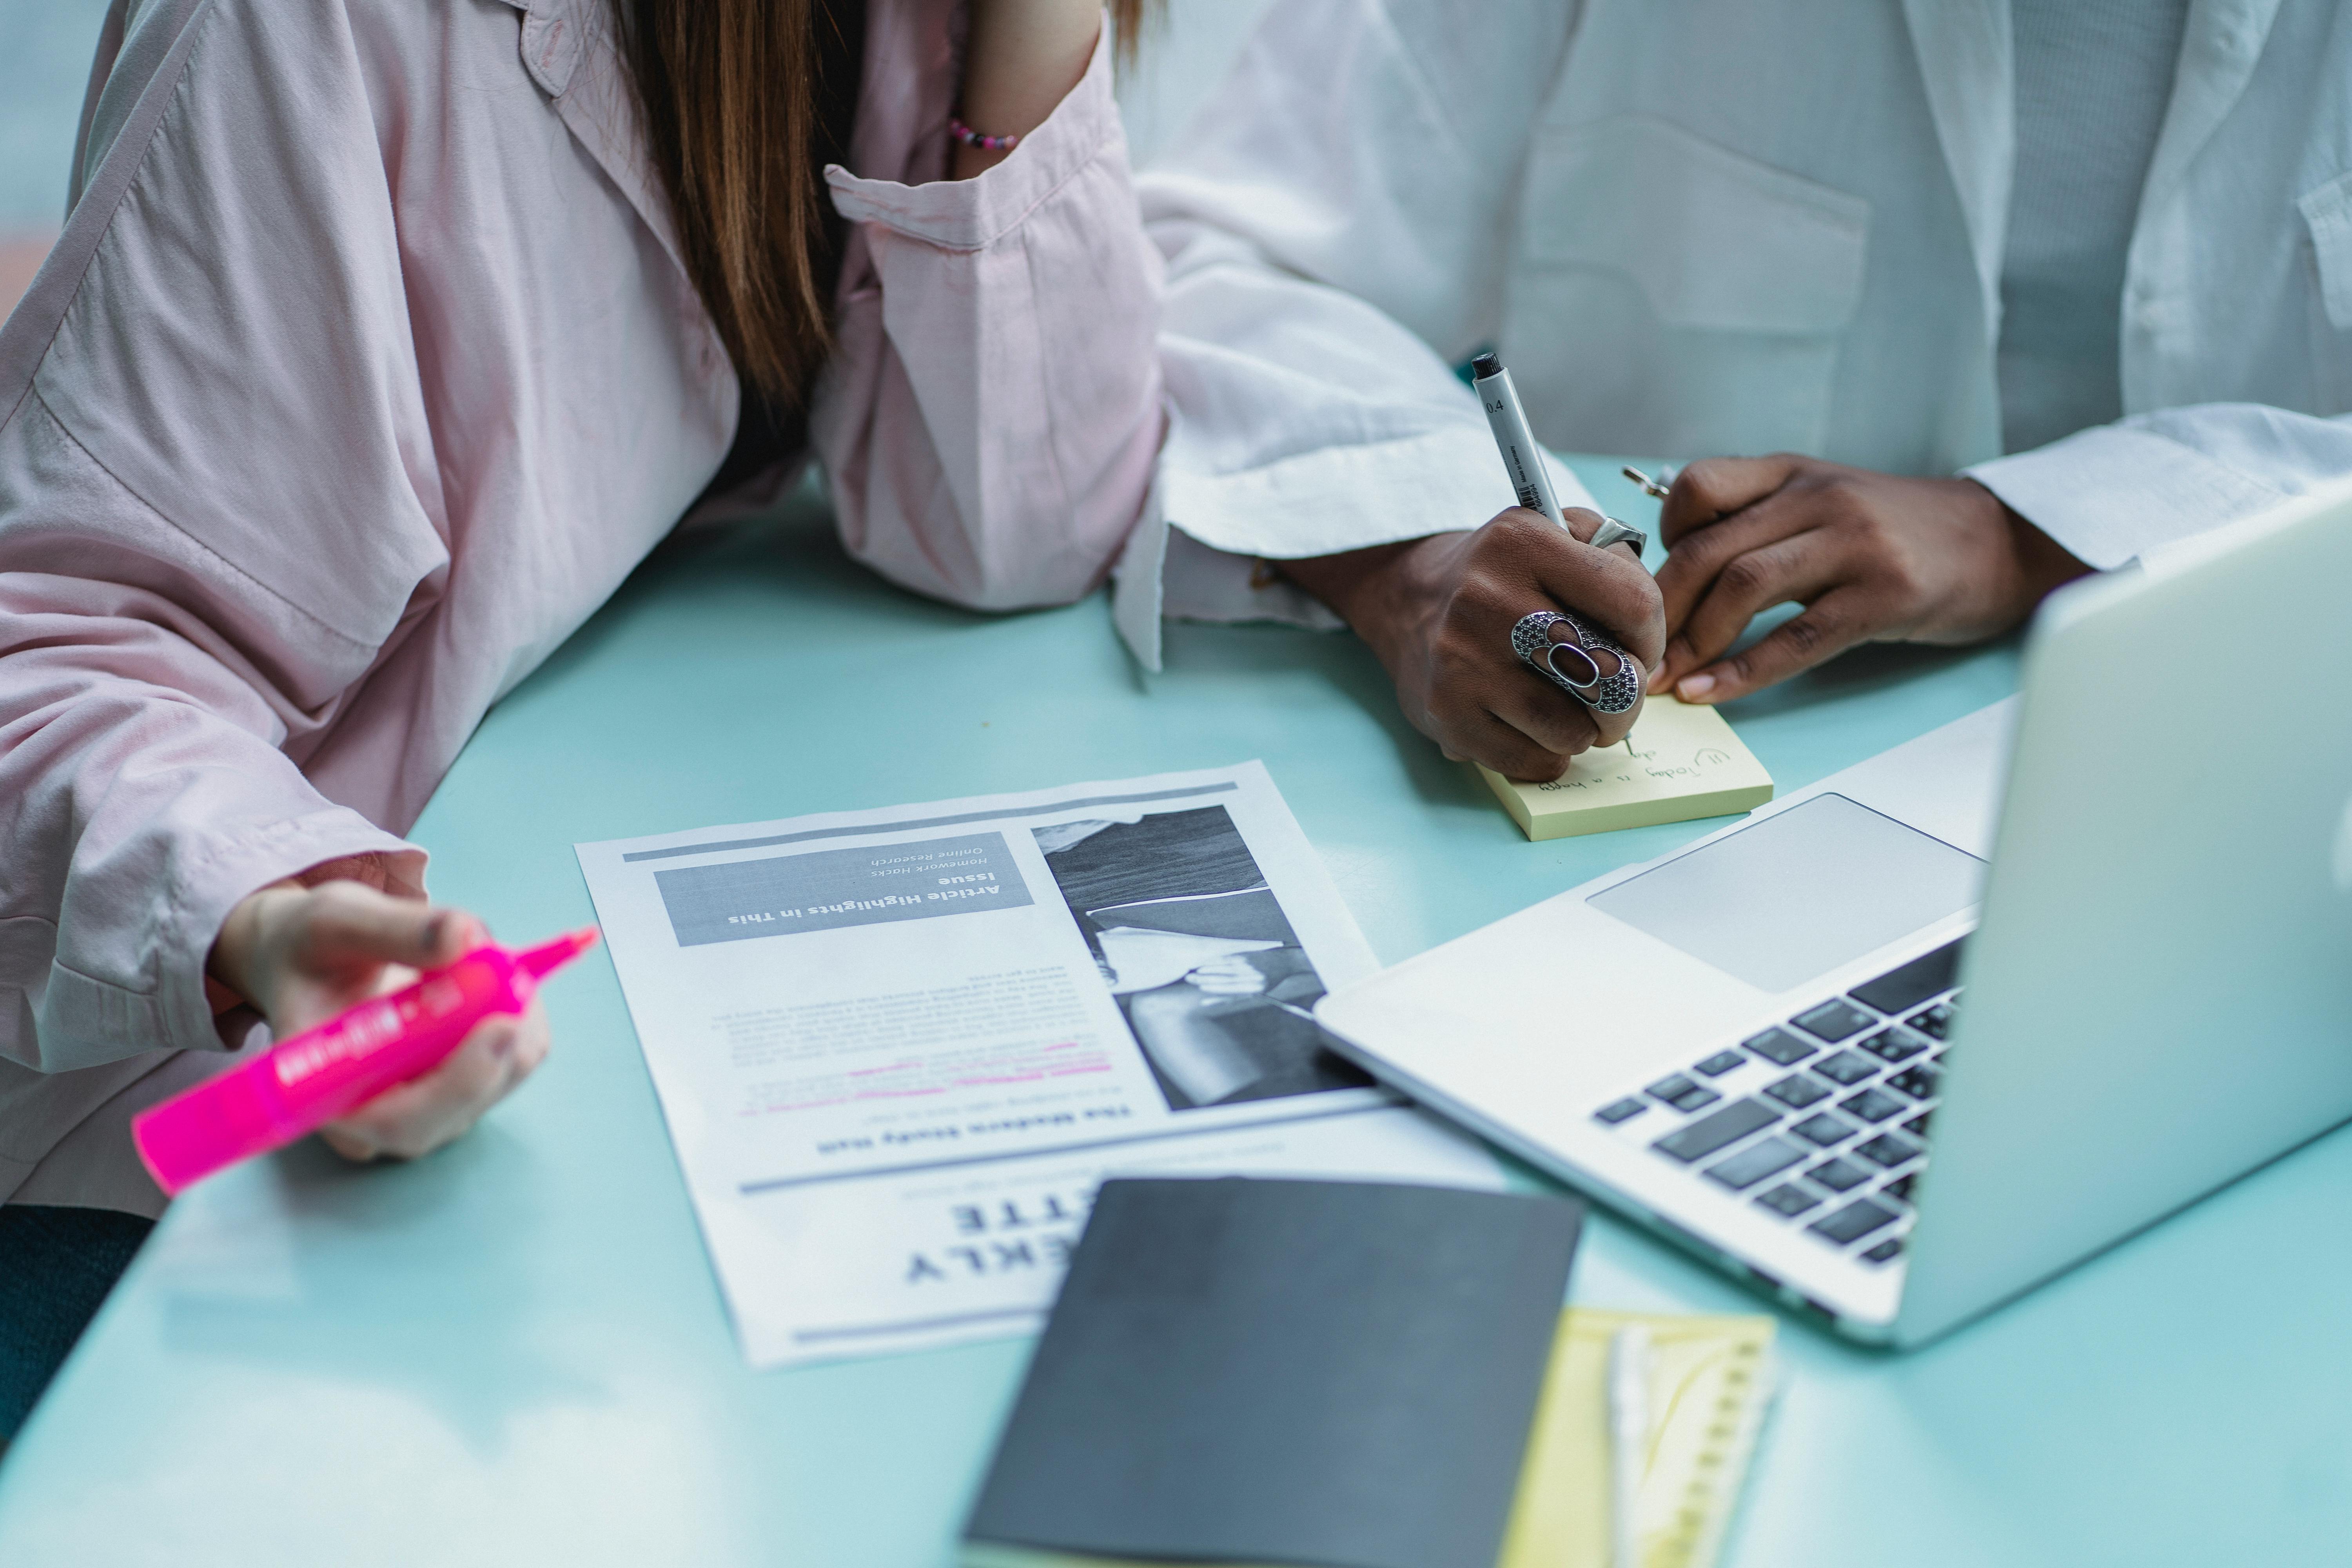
(1657, 489)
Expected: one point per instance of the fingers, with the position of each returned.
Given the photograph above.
(1702, 555)
(348, 920)
(531, 1043)
(1801, 568)
(1584, 523)
(1483, 702)
(1869, 555)
(1605, 586)
(1712, 488)
(1543, 715)
(1546, 719)
(302, 954)
(425, 1114)
(1517, 723)
(1441, 612)
(1831, 625)
(1484, 737)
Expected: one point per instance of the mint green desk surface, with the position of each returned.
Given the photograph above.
(513, 1353)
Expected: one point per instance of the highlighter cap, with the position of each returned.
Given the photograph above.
(214, 1124)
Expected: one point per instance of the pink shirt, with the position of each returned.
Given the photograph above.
(363, 371)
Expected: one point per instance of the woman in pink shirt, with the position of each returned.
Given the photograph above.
(382, 341)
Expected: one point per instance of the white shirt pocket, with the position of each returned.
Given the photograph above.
(2327, 211)
(1671, 297)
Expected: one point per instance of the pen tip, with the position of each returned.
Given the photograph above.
(1485, 365)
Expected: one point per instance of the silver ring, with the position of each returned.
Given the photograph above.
(1612, 531)
(1531, 640)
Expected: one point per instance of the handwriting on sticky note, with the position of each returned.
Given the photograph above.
(1682, 760)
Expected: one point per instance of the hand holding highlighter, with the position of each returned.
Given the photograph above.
(325, 1072)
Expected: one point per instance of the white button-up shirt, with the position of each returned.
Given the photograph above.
(1717, 227)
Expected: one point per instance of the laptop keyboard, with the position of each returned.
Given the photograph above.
(1822, 1120)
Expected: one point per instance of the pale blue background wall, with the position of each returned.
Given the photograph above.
(45, 50)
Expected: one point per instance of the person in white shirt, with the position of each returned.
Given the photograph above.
(2017, 288)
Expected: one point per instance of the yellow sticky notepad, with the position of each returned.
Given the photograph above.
(1710, 1382)
(1681, 762)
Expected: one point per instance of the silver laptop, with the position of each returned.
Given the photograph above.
(1905, 1043)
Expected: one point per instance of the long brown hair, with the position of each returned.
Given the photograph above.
(729, 94)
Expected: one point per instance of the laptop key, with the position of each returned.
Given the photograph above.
(1834, 1020)
(1936, 1022)
(1718, 1129)
(1871, 1105)
(1682, 1094)
(1838, 1176)
(1824, 1130)
(1622, 1110)
(1722, 1062)
(1797, 1091)
(1918, 1080)
(1888, 1149)
(1854, 1222)
(1765, 1157)
(1889, 1249)
(1780, 1047)
(1788, 1199)
(1845, 1068)
(1909, 984)
(1894, 1044)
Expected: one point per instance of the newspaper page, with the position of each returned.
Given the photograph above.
(897, 1050)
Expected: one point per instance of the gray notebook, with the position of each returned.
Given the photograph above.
(1337, 1374)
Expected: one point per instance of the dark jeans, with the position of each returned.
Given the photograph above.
(55, 1266)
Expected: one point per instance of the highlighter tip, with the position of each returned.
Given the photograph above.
(540, 962)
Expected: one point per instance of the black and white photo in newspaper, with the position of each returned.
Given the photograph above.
(1187, 933)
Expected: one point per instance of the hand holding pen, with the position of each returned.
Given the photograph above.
(1560, 645)
(1441, 611)
(1438, 611)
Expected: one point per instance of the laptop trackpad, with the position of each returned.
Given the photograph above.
(1798, 893)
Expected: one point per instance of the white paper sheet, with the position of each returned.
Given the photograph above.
(897, 1050)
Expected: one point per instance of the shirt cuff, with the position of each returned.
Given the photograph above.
(86, 1019)
(1336, 499)
(1202, 548)
(2111, 494)
(1202, 583)
(1167, 575)
(971, 215)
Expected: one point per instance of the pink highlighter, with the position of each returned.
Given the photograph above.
(301, 1084)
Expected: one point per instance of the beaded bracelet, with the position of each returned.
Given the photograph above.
(970, 138)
